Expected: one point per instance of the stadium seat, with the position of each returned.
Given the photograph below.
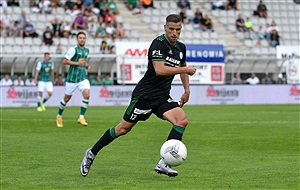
(37, 41)
(10, 41)
(28, 41)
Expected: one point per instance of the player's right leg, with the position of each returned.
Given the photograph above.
(69, 90)
(110, 135)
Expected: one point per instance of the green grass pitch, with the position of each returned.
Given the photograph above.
(229, 147)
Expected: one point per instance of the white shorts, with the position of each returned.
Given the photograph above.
(42, 86)
(71, 87)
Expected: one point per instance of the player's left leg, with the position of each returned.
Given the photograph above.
(84, 87)
(171, 111)
(39, 101)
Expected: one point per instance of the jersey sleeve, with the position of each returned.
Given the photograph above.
(157, 51)
(38, 66)
(70, 53)
(183, 60)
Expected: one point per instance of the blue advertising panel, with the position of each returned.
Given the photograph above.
(205, 53)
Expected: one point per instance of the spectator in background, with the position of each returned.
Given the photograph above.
(44, 6)
(237, 79)
(59, 81)
(18, 81)
(184, 4)
(240, 23)
(274, 38)
(232, 4)
(92, 30)
(104, 46)
(7, 21)
(260, 35)
(22, 19)
(107, 81)
(79, 22)
(198, 16)
(73, 12)
(261, 10)
(113, 6)
(30, 81)
(217, 4)
(110, 30)
(120, 31)
(3, 4)
(2, 29)
(270, 28)
(59, 49)
(48, 37)
(29, 30)
(69, 5)
(252, 80)
(15, 30)
(66, 30)
(96, 81)
(88, 13)
(184, 16)
(111, 45)
(267, 80)
(56, 27)
(147, 3)
(249, 26)
(101, 31)
(132, 4)
(207, 24)
(6, 81)
(281, 79)
(79, 5)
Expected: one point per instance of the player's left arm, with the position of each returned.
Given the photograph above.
(185, 82)
(52, 73)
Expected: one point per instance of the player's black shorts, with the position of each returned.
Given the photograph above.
(141, 108)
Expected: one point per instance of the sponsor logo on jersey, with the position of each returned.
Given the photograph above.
(138, 111)
(172, 62)
(156, 53)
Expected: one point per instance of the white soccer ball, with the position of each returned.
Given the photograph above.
(173, 152)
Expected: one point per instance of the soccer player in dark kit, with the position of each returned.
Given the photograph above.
(166, 58)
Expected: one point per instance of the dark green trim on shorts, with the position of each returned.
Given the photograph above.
(131, 105)
(179, 129)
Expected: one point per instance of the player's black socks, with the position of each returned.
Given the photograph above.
(107, 138)
(176, 133)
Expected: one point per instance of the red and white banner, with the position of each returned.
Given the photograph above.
(200, 95)
(132, 63)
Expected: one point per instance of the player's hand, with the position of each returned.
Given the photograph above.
(184, 98)
(81, 61)
(88, 68)
(191, 70)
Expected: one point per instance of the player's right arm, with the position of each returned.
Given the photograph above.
(37, 72)
(69, 55)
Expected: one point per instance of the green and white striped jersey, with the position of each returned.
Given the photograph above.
(77, 73)
(45, 69)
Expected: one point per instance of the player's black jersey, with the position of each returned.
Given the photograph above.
(152, 86)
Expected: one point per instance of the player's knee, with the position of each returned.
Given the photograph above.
(183, 122)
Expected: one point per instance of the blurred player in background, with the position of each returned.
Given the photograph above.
(166, 58)
(77, 78)
(44, 77)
